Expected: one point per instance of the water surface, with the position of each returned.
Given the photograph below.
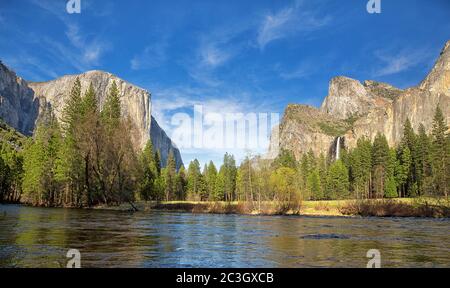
(41, 237)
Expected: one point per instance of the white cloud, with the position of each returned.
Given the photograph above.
(288, 21)
(212, 56)
(90, 50)
(84, 49)
(274, 26)
(215, 49)
(152, 56)
(393, 63)
(304, 70)
(167, 102)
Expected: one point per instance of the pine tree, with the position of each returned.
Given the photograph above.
(40, 185)
(111, 109)
(286, 158)
(391, 183)
(380, 161)
(440, 155)
(409, 140)
(210, 178)
(147, 188)
(423, 161)
(403, 169)
(337, 183)
(89, 103)
(69, 170)
(170, 179)
(245, 181)
(158, 162)
(314, 185)
(219, 190)
(181, 184)
(193, 180)
(71, 110)
(230, 172)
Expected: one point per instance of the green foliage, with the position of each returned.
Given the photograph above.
(71, 111)
(314, 185)
(361, 168)
(337, 183)
(147, 188)
(11, 163)
(92, 162)
(181, 183)
(229, 172)
(196, 184)
(380, 163)
(39, 183)
(89, 160)
(210, 178)
(170, 177)
(245, 181)
(333, 129)
(284, 185)
(111, 110)
(285, 159)
(89, 103)
(440, 153)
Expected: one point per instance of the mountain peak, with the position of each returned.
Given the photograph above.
(346, 97)
(438, 80)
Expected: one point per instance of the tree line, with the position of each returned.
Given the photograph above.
(87, 158)
(418, 166)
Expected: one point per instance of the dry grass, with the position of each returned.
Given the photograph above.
(247, 208)
(398, 208)
(403, 207)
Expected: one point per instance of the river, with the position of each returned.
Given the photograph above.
(41, 237)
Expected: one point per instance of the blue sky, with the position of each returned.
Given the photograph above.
(230, 56)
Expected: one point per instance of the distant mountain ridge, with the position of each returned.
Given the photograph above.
(352, 110)
(22, 103)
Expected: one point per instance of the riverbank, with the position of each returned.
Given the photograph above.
(401, 207)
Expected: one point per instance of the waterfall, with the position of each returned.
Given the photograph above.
(338, 147)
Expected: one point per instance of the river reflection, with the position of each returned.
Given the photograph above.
(40, 237)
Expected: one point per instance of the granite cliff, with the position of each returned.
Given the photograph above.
(22, 103)
(352, 110)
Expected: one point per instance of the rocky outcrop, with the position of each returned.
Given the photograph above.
(164, 144)
(305, 128)
(353, 110)
(22, 102)
(19, 107)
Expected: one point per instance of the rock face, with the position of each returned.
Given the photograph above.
(135, 101)
(163, 143)
(305, 128)
(25, 101)
(353, 110)
(18, 106)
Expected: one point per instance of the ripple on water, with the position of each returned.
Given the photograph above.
(325, 236)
